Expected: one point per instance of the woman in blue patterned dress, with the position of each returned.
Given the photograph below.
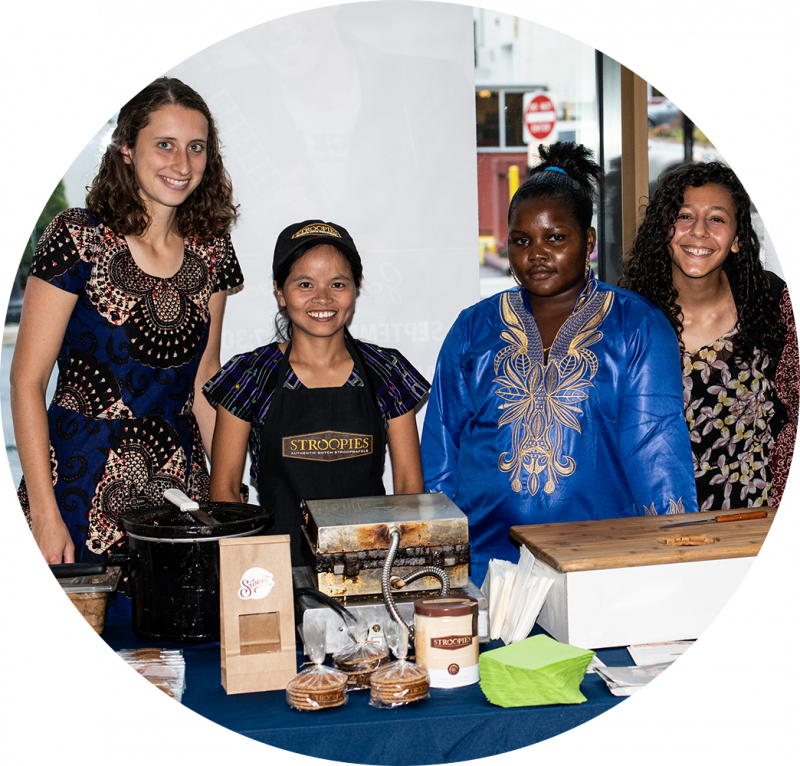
(127, 296)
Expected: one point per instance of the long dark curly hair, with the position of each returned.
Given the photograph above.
(647, 267)
(113, 196)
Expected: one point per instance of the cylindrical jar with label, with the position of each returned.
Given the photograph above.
(446, 639)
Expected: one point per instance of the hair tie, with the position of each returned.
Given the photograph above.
(558, 170)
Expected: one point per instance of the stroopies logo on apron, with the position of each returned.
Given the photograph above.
(256, 583)
(327, 446)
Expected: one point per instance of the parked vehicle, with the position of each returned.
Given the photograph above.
(661, 111)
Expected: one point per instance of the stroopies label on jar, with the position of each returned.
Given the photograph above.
(446, 639)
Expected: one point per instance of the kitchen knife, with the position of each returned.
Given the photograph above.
(716, 519)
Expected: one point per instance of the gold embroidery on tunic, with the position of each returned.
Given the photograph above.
(673, 508)
(541, 399)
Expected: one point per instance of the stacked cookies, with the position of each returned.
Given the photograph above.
(359, 662)
(164, 668)
(316, 688)
(399, 683)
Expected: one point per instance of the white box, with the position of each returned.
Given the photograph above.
(628, 581)
(639, 605)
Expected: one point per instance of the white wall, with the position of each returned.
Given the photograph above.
(344, 114)
(348, 114)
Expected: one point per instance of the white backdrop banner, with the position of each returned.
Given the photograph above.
(361, 114)
(350, 115)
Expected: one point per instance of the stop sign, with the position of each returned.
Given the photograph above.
(539, 115)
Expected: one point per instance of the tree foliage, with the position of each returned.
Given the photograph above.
(56, 203)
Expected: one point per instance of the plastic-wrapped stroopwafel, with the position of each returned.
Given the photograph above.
(400, 682)
(319, 686)
(164, 668)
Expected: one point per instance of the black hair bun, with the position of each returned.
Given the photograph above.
(575, 160)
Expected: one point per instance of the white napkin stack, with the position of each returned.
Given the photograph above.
(516, 594)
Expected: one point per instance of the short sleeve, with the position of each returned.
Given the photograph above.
(787, 384)
(242, 386)
(64, 255)
(228, 272)
(787, 377)
(400, 386)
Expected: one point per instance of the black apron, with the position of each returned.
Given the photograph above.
(319, 443)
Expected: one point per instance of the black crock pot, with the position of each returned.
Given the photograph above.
(173, 567)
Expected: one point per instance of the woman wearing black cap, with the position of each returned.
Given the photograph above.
(318, 407)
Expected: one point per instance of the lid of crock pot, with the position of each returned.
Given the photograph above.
(170, 522)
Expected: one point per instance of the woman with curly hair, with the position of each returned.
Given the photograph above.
(696, 256)
(558, 400)
(127, 296)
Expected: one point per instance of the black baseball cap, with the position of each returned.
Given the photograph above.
(313, 232)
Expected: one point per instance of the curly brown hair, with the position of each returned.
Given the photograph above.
(647, 267)
(113, 197)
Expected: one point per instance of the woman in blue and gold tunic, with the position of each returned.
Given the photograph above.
(561, 399)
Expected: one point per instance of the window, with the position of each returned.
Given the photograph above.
(500, 122)
(515, 59)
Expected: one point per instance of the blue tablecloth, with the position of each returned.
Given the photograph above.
(452, 725)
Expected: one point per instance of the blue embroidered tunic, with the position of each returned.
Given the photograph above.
(595, 431)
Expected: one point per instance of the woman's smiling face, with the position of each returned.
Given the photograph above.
(170, 156)
(320, 294)
(547, 248)
(705, 232)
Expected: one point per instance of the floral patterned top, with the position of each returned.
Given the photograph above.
(729, 410)
(787, 384)
(121, 423)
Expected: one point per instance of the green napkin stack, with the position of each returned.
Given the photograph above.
(536, 671)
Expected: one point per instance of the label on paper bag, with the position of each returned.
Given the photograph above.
(256, 583)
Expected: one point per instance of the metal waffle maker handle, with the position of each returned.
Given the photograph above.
(387, 580)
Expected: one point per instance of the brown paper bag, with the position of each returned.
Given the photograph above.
(257, 639)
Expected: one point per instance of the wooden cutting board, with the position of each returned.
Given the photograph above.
(578, 546)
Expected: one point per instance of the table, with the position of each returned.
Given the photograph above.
(452, 725)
